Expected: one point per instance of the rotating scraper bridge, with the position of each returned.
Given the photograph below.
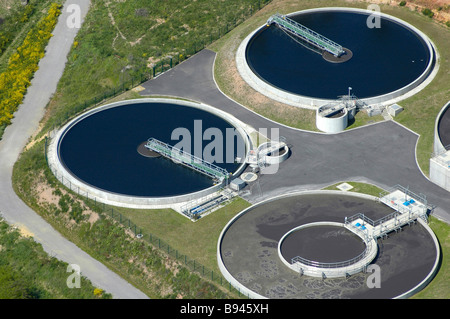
(408, 208)
(179, 156)
(306, 34)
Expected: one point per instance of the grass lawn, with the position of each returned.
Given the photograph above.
(359, 188)
(198, 240)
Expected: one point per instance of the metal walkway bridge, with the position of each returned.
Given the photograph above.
(408, 208)
(187, 159)
(306, 34)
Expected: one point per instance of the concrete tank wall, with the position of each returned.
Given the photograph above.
(120, 200)
(439, 168)
(274, 159)
(331, 124)
(439, 173)
(438, 147)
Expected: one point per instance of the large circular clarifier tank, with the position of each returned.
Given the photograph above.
(386, 63)
(102, 151)
(251, 257)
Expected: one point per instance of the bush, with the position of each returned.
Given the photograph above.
(23, 64)
(12, 23)
(402, 3)
(428, 12)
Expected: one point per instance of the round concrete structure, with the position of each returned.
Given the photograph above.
(71, 180)
(248, 257)
(328, 251)
(286, 96)
(333, 122)
(276, 157)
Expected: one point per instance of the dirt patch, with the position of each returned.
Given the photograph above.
(92, 217)
(24, 231)
(48, 197)
(440, 8)
(46, 194)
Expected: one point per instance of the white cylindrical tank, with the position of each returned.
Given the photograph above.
(331, 121)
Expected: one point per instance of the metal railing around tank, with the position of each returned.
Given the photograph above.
(334, 265)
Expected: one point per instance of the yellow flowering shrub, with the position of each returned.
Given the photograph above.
(22, 65)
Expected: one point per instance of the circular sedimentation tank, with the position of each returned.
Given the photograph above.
(322, 244)
(382, 64)
(327, 250)
(102, 152)
(249, 257)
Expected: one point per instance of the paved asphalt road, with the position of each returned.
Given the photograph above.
(25, 123)
(382, 154)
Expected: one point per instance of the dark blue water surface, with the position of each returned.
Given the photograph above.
(101, 150)
(384, 59)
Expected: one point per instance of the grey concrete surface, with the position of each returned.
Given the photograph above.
(382, 154)
(24, 124)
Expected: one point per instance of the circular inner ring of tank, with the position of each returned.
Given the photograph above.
(385, 59)
(102, 149)
(322, 243)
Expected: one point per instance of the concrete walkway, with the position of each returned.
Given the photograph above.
(382, 154)
(24, 124)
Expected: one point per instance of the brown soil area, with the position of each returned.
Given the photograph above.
(440, 8)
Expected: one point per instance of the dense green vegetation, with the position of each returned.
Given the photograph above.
(428, 12)
(27, 272)
(359, 187)
(438, 289)
(24, 34)
(23, 63)
(16, 21)
(12, 21)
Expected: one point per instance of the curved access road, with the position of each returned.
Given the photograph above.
(24, 124)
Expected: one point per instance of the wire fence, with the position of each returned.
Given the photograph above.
(163, 246)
